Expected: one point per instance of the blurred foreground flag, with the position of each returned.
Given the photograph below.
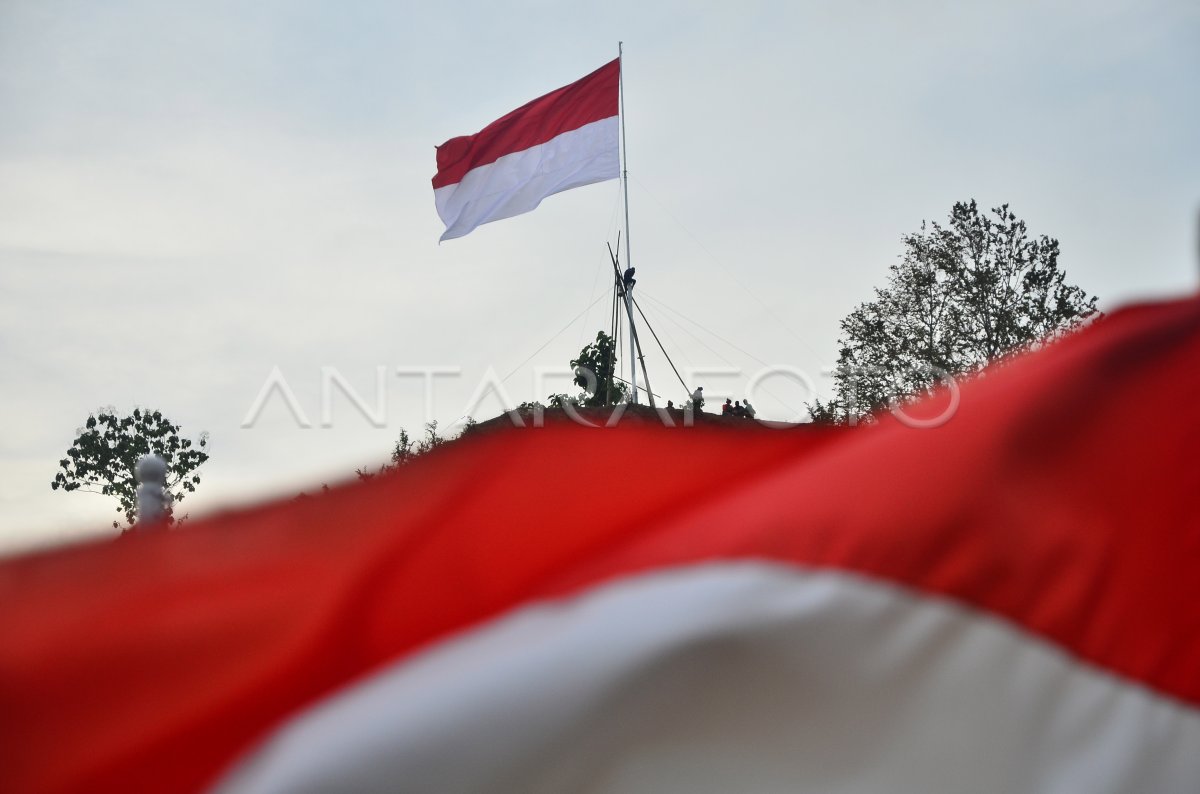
(1005, 603)
(565, 139)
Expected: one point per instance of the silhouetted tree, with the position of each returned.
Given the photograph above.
(962, 296)
(600, 359)
(406, 450)
(432, 440)
(102, 458)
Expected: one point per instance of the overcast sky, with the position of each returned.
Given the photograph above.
(193, 194)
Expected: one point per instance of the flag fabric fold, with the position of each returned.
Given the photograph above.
(1003, 603)
(565, 139)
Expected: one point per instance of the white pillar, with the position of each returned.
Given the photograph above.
(152, 498)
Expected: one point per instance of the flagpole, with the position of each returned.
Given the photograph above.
(625, 185)
(624, 146)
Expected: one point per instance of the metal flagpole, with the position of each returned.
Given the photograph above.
(625, 181)
(645, 375)
(615, 317)
(637, 345)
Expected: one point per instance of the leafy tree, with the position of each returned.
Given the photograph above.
(102, 457)
(962, 296)
(600, 359)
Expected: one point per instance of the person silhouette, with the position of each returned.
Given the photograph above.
(628, 280)
(727, 408)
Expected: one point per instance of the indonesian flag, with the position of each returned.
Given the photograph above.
(1005, 603)
(565, 139)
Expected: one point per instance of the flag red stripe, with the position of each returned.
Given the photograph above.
(568, 108)
(1061, 497)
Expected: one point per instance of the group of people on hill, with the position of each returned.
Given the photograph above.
(738, 409)
(741, 409)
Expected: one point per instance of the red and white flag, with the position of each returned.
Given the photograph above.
(1006, 603)
(565, 139)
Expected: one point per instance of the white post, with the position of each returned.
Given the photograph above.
(152, 499)
(625, 187)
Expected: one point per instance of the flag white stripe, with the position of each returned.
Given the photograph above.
(747, 677)
(517, 183)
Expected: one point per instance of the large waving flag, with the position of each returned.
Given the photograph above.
(1006, 603)
(565, 139)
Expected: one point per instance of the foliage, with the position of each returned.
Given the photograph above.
(406, 450)
(431, 441)
(102, 457)
(598, 358)
(961, 297)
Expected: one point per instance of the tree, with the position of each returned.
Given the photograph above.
(599, 360)
(962, 296)
(102, 457)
